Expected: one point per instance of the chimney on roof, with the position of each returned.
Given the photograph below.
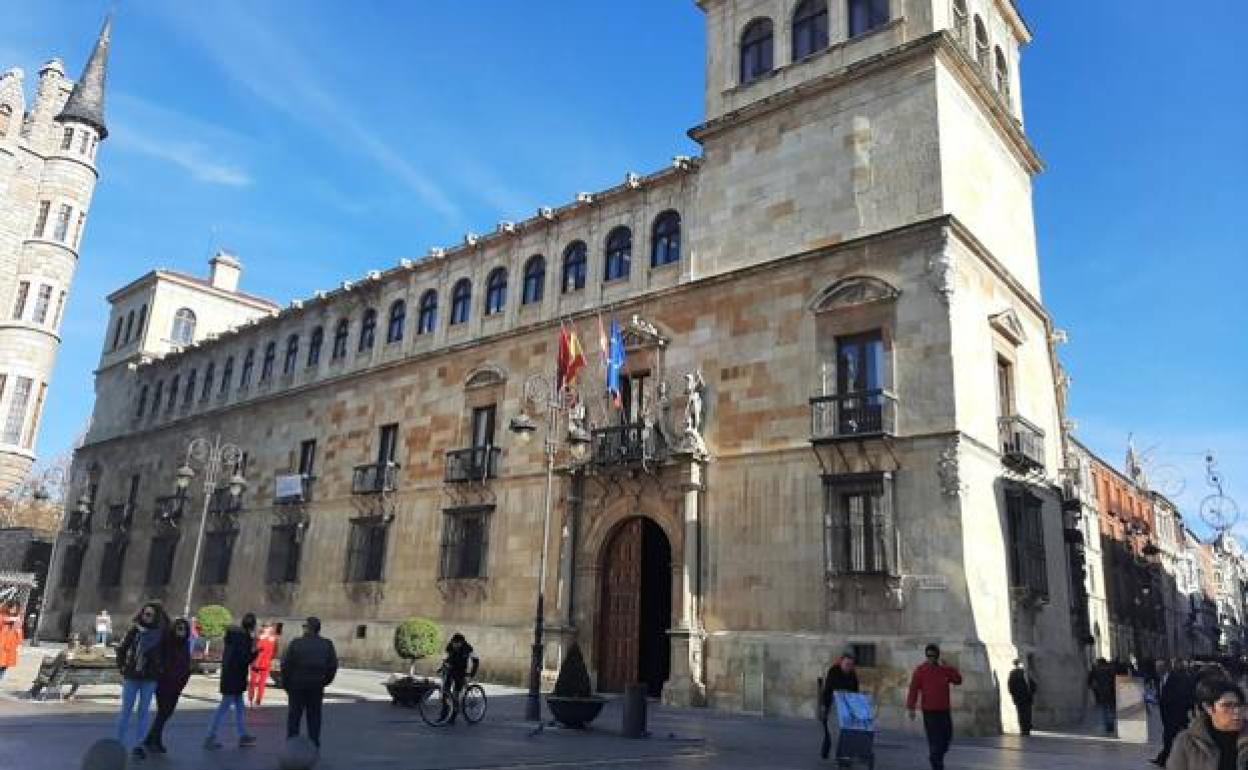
(226, 270)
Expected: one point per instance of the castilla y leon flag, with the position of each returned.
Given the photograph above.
(571, 358)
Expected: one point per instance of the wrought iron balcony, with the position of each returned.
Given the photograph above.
(120, 517)
(622, 445)
(472, 464)
(79, 522)
(284, 492)
(1022, 443)
(169, 508)
(375, 478)
(841, 416)
(223, 501)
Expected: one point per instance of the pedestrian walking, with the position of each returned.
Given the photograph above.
(1175, 700)
(141, 660)
(237, 653)
(929, 691)
(1022, 686)
(10, 638)
(1101, 683)
(308, 667)
(103, 628)
(266, 648)
(173, 679)
(840, 677)
(1212, 741)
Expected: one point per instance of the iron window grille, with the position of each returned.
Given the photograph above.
(160, 560)
(861, 531)
(285, 550)
(366, 549)
(465, 542)
(218, 554)
(1028, 571)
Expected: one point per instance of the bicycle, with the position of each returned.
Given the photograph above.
(440, 702)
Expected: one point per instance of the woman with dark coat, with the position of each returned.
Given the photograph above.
(1212, 740)
(237, 654)
(141, 659)
(172, 681)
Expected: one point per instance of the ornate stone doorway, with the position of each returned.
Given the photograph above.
(635, 608)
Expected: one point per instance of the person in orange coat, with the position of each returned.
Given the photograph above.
(10, 638)
(266, 648)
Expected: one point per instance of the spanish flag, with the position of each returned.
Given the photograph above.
(571, 357)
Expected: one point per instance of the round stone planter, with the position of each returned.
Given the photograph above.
(407, 691)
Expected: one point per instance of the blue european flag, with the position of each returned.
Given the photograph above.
(615, 362)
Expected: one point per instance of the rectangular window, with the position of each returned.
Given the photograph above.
(113, 562)
(860, 383)
(483, 427)
(1005, 387)
(19, 304)
(33, 428)
(60, 309)
(387, 443)
(82, 220)
(307, 457)
(218, 552)
(366, 550)
(860, 531)
(43, 301)
(1028, 572)
(63, 215)
(17, 411)
(86, 142)
(633, 397)
(864, 655)
(285, 546)
(67, 139)
(465, 542)
(41, 221)
(866, 15)
(71, 564)
(160, 560)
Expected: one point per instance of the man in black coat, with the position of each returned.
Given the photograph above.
(237, 653)
(841, 676)
(308, 667)
(1175, 691)
(1022, 687)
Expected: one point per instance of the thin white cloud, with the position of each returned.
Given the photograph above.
(194, 146)
(192, 157)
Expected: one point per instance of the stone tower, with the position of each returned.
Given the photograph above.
(47, 177)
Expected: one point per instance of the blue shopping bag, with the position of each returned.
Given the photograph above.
(854, 711)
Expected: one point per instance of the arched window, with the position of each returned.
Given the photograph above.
(157, 395)
(183, 327)
(756, 53)
(665, 239)
(142, 402)
(534, 280)
(129, 326)
(619, 253)
(266, 366)
(314, 346)
(209, 374)
(866, 15)
(574, 266)
(6, 117)
(961, 22)
(189, 394)
(249, 363)
(1003, 74)
(368, 330)
(121, 324)
(340, 339)
(138, 327)
(227, 375)
(428, 318)
(398, 317)
(292, 354)
(981, 45)
(461, 301)
(810, 28)
(495, 291)
(174, 384)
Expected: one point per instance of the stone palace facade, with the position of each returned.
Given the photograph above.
(844, 283)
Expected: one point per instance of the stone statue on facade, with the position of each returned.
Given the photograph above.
(695, 385)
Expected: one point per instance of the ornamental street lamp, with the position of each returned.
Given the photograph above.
(214, 457)
(554, 402)
(81, 510)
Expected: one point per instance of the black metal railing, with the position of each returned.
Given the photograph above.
(170, 508)
(224, 501)
(375, 478)
(79, 522)
(851, 415)
(621, 445)
(477, 463)
(306, 485)
(120, 517)
(1022, 443)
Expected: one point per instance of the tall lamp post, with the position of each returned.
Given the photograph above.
(214, 457)
(554, 402)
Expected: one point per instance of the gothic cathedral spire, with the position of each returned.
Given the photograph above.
(86, 102)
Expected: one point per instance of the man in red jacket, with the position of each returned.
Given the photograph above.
(930, 684)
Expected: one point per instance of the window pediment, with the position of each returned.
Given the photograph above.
(640, 333)
(854, 291)
(1008, 324)
(485, 377)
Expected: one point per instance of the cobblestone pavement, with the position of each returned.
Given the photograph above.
(362, 730)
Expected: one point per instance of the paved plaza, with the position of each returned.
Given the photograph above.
(362, 730)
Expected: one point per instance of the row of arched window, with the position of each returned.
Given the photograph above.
(990, 60)
(810, 33)
(665, 249)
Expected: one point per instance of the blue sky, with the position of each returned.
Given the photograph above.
(319, 144)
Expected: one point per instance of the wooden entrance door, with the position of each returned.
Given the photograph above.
(619, 627)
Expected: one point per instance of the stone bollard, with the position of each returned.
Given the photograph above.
(634, 711)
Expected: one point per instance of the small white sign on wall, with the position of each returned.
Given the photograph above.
(931, 582)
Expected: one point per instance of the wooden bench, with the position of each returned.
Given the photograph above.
(56, 674)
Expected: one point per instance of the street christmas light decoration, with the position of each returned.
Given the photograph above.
(1217, 510)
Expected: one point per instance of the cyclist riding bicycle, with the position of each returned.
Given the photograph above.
(461, 664)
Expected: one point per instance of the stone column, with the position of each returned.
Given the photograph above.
(686, 685)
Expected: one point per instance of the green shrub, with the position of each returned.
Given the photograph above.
(213, 620)
(573, 681)
(417, 638)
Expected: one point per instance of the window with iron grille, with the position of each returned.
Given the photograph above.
(71, 564)
(218, 553)
(465, 542)
(113, 562)
(1028, 572)
(285, 548)
(860, 529)
(160, 560)
(366, 549)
